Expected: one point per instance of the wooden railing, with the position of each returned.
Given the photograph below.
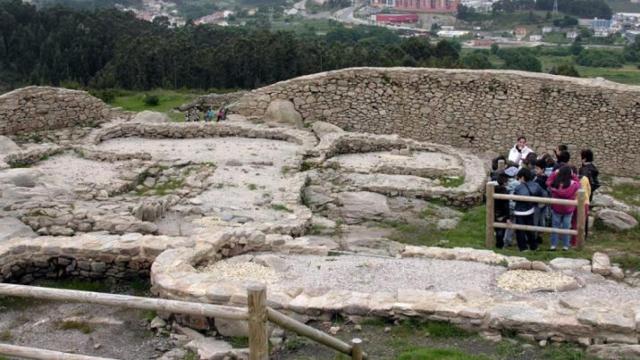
(579, 202)
(257, 314)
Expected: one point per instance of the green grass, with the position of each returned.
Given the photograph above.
(470, 232)
(238, 342)
(439, 354)
(75, 284)
(169, 99)
(81, 326)
(17, 303)
(190, 355)
(280, 207)
(434, 329)
(451, 181)
(6, 335)
(628, 193)
(628, 74)
(252, 187)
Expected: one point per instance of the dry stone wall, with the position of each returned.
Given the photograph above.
(480, 109)
(37, 108)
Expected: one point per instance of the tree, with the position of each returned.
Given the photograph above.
(476, 60)
(565, 70)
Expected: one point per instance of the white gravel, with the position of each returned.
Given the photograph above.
(72, 170)
(369, 274)
(530, 280)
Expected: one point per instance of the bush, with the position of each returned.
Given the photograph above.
(565, 69)
(105, 95)
(599, 58)
(151, 100)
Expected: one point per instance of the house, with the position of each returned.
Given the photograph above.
(452, 33)
(395, 18)
(520, 32)
(547, 29)
(535, 37)
(572, 35)
(427, 6)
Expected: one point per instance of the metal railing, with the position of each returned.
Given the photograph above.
(257, 314)
(491, 224)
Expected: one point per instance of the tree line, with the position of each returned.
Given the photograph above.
(579, 8)
(107, 48)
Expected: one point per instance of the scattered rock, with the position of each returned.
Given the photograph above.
(13, 228)
(147, 116)
(283, 111)
(568, 264)
(322, 128)
(157, 323)
(360, 206)
(617, 220)
(600, 264)
(8, 146)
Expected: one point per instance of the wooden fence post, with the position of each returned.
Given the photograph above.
(490, 237)
(258, 338)
(356, 349)
(581, 220)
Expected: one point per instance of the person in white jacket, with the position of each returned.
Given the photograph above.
(519, 151)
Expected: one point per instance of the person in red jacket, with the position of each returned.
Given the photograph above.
(562, 185)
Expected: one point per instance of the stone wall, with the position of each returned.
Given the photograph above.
(480, 109)
(36, 108)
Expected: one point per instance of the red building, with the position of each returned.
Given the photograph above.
(396, 18)
(435, 6)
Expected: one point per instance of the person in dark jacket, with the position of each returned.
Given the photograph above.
(524, 211)
(563, 159)
(589, 170)
(502, 211)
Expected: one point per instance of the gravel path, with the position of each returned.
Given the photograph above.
(367, 274)
(375, 274)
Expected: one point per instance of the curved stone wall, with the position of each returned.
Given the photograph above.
(36, 108)
(480, 109)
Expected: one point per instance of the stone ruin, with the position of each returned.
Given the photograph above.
(206, 209)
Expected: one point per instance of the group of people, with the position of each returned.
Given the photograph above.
(548, 175)
(220, 115)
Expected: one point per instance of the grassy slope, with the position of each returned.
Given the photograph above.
(169, 99)
(622, 246)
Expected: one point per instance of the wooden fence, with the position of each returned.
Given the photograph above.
(492, 224)
(257, 314)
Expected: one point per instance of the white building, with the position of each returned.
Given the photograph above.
(572, 35)
(452, 33)
(547, 29)
(535, 37)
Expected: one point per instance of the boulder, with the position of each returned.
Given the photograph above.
(13, 228)
(7, 145)
(615, 351)
(283, 111)
(359, 206)
(21, 177)
(600, 264)
(322, 128)
(617, 220)
(609, 202)
(151, 117)
(568, 264)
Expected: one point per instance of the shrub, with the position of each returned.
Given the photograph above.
(151, 100)
(565, 69)
(599, 58)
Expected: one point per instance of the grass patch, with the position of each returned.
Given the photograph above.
(75, 284)
(163, 188)
(190, 355)
(628, 193)
(435, 329)
(238, 342)
(17, 303)
(252, 187)
(81, 326)
(280, 207)
(628, 74)
(451, 181)
(470, 232)
(439, 354)
(6, 335)
(167, 100)
(566, 352)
